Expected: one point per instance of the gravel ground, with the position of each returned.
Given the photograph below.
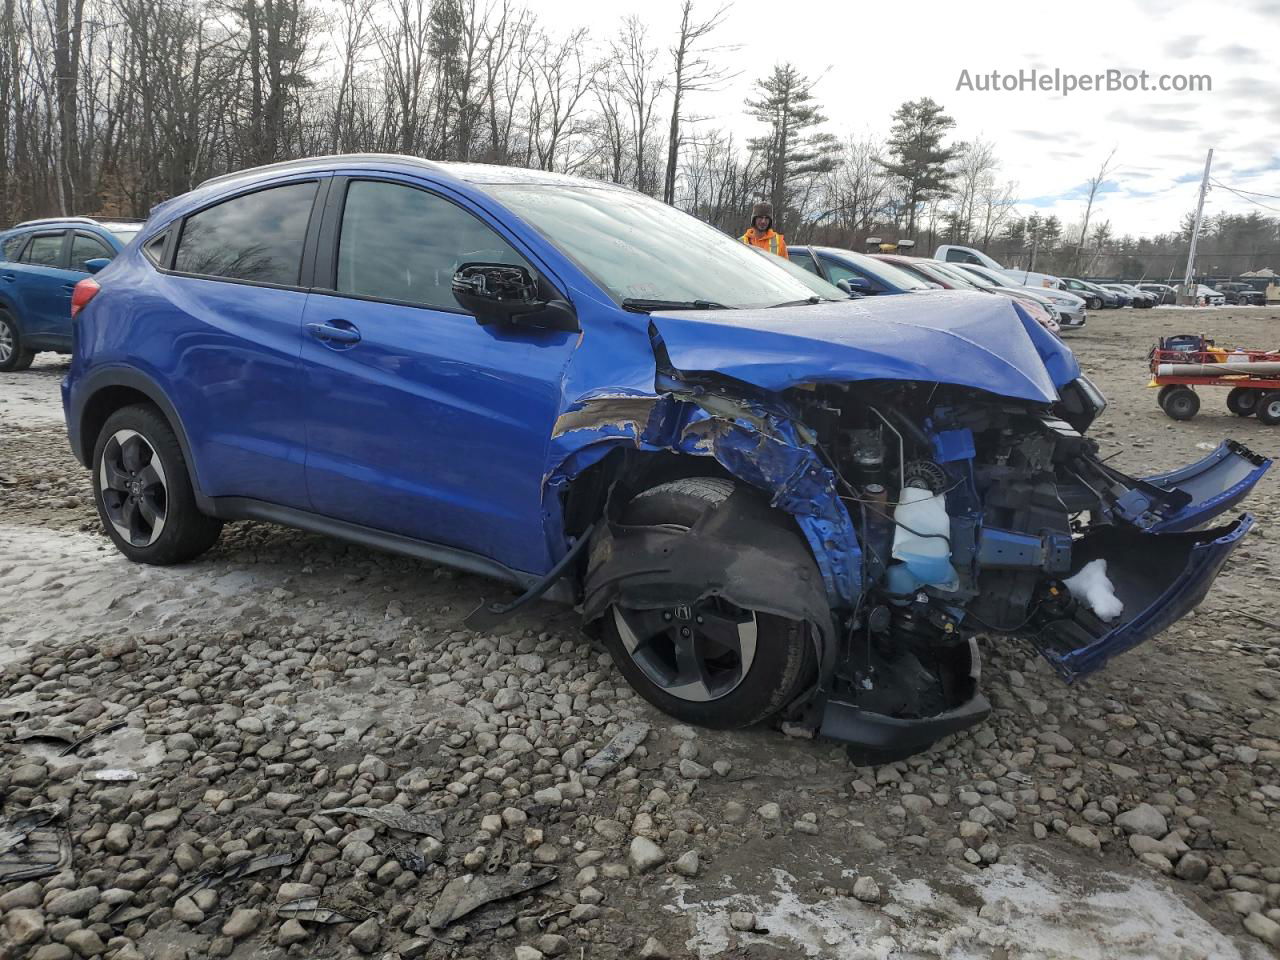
(285, 676)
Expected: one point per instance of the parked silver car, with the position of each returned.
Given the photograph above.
(1071, 309)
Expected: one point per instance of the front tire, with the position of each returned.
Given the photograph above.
(711, 664)
(142, 488)
(13, 355)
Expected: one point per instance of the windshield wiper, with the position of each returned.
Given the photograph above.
(800, 303)
(639, 305)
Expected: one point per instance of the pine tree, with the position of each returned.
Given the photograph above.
(918, 158)
(787, 105)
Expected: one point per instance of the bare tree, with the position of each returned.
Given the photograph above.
(1094, 183)
(694, 72)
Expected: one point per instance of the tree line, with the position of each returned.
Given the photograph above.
(109, 106)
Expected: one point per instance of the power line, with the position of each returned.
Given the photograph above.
(1241, 195)
(1269, 196)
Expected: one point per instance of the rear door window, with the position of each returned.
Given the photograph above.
(44, 250)
(12, 246)
(85, 247)
(404, 244)
(256, 237)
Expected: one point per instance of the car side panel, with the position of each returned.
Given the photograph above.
(226, 355)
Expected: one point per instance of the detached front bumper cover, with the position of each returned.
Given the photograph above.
(1160, 578)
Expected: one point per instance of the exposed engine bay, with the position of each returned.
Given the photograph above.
(983, 515)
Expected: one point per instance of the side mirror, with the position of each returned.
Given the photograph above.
(509, 294)
(96, 264)
(855, 285)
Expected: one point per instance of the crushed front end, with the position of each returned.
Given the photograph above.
(979, 515)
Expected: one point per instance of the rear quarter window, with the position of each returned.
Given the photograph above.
(256, 237)
(11, 246)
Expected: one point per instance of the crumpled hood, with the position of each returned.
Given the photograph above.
(964, 338)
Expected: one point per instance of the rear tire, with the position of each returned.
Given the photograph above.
(13, 355)
(1181, 403)
(1242, 401)
(712, 664)
(1269, 408)
(142, 488)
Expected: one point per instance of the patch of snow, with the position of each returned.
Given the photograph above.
(1034, 905)
(62, 586)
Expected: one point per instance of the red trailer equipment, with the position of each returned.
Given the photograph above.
(1193, 360)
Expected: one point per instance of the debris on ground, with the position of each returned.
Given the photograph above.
(397, 818)
(616, 750)
(470, 892)
(316, 910)
(29, 848)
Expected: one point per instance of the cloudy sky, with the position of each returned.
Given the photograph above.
(871, 56)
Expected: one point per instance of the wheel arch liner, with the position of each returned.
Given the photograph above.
(740, 551)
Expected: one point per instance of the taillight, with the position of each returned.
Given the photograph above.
(85, 291)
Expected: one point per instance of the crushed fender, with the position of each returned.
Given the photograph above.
(759, 443)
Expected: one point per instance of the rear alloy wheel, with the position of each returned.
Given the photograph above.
(143, 491)
(709, 663)
(1181, 403)
(1269, 408)
(1242, 401)
(1095, 303)
(12, 355)
(134, 489)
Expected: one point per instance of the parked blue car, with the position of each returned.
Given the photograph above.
(41, 261)
(857, 272)
(772, 500)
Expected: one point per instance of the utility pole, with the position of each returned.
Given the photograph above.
(1188, 295)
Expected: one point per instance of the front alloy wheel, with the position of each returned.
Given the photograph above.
(135, 491)
(696, 654)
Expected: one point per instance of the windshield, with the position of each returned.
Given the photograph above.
(637, 248)
(978, 279)
(950, 274)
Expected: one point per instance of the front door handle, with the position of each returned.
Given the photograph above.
(9, 276)
(334, 334)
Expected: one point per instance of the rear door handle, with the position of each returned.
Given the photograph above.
(326, 331)
(9, 276)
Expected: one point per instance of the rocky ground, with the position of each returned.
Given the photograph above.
(288, 701)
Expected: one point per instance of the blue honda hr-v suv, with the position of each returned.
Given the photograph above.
(770, 498)
(41, 261)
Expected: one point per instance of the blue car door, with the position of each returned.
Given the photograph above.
(41, 287)
(420, 421)
(223, 327)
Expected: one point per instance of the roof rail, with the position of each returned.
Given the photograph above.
(34, 223)
(99, 221)
(284, 165)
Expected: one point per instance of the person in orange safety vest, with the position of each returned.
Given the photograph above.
(761, 233)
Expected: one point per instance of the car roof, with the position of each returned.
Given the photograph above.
(476, 173)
